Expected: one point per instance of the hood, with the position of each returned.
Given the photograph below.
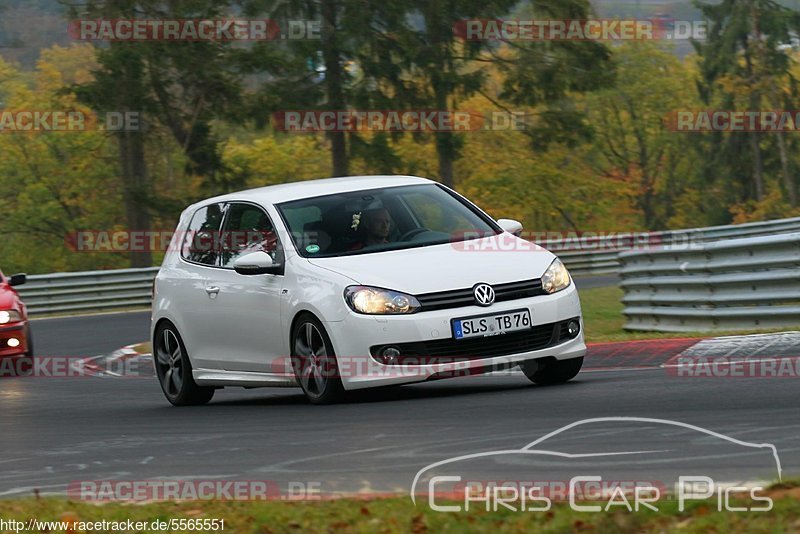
(493, 260)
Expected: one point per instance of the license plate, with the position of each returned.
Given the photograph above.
(492, 324)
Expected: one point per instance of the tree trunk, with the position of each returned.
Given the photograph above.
(439, 67)
(334, 84)
(755, 100)
(445, 140)
(444, 149)
(135, 190)
(788, 178)
(758, 169)
(646, 205)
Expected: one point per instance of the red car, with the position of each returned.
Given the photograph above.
(15, 331)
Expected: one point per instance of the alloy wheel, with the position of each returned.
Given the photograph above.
(169, 359)
(313, 361)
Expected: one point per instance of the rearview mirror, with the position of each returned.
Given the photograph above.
(17, 279)
(511, 226)
(256, 263)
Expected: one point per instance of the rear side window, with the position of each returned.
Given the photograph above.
(247, 229)
(201, 242)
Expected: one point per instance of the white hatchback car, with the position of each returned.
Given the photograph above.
(350, 283)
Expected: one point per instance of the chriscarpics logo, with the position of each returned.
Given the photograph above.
(604, 464)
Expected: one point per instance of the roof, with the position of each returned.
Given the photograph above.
(275, 194)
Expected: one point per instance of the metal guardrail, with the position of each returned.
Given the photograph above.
(599, 255)
(130, 288)
(746, 283)
(88, 291)
(582, 263)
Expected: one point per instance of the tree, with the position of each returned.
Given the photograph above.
(314, 72)
(548, 74)
(180, 85)
(745, 65)
(54, 183)
(417, 61)
(420, 61)
(631, 138)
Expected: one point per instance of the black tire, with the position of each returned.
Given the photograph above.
(553, 372)
(174, 370)
(314, 362)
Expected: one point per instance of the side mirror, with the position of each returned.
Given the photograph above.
(511, 226)
(17, 279)
(256, 263)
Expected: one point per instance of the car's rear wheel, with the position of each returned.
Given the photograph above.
(314, 362)
(174, 370)
(552, 372)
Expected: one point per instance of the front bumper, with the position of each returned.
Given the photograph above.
(18, 331)
(353, 337)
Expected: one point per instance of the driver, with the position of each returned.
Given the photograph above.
(375, 227)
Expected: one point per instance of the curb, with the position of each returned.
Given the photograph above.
(116, 363)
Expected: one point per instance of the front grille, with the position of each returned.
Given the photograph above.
(453, 350)
(464, 297)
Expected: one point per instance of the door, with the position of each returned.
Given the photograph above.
(248, 335)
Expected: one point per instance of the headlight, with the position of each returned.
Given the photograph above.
(9, 316)
(555, 278)
(377, 301)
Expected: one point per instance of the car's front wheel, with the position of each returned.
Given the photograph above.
(314, 362)
(29, 341)
(174, 370)
(552, 372)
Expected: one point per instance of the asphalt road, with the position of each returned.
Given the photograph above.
(89, 335)
(56, 431)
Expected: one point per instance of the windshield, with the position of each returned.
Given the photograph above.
(377, 220)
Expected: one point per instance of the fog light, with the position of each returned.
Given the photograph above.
(573, 328)
(389, 355)
(13, 342)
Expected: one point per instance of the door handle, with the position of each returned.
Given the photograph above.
(212, 290)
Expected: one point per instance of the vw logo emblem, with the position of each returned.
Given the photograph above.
(484, 294)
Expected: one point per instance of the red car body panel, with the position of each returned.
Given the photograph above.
(10, 300)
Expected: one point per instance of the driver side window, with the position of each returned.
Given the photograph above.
(435, 215)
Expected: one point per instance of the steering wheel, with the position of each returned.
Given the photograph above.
(412, 233)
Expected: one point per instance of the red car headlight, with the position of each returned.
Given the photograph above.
(9, 316)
